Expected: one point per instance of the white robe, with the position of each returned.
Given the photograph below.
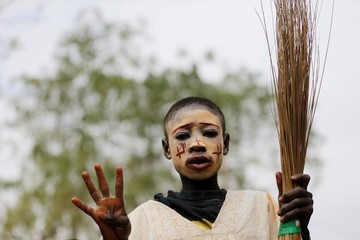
(245, 215)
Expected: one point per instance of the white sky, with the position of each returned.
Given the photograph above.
(232, 29)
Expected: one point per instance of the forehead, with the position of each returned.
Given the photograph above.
(193, 114)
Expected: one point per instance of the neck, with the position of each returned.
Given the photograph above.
(201, 185)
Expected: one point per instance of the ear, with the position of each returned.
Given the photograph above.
(226, 143)
(166, 148)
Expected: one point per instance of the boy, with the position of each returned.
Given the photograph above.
(196, 141)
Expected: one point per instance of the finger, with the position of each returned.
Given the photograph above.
(103, 185)
(83, 206)
(295, 206)
(90, 186)
(119, 184)
(295, 193)
(278, 176)
(297, 213)
(301, 180)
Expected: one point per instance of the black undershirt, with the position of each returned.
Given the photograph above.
(195, 206)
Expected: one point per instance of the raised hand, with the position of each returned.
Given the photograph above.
(109, 213)
(296, 203)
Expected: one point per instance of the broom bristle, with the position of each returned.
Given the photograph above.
(294, 39)
(296, 84)
(292, 86)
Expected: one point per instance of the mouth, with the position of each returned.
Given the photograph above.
(198, 163)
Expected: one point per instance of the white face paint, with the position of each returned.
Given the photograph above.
(195, 142)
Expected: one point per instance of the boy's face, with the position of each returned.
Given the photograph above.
(195, 143)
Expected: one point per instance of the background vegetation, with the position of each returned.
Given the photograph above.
(105, 103)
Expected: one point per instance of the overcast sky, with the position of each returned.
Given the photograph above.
(232, 29)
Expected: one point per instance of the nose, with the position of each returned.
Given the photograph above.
(197, 145)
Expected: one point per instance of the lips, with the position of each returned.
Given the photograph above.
(198, 163)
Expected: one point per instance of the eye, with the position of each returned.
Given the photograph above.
(182, 136)
(210, 133)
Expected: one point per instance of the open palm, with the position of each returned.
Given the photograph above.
(109, 213)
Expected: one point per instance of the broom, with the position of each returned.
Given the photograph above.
(294, 96)
(296, 81)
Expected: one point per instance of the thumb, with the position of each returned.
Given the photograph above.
(278, 177)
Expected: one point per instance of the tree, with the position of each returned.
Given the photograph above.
(93, 109)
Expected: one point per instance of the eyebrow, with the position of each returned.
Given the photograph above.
(192, 124)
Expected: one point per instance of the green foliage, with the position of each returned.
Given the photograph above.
(92, 109)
